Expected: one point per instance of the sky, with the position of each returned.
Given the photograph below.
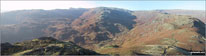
(130, 5)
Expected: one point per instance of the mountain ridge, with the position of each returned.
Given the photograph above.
(103, 29)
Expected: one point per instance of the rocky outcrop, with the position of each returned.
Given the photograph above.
(44, 46)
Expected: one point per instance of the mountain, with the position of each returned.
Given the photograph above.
(102, 23)
(109, 30)
(164, 34)
(30, 24)
(44, 46)
(38, 15)
(200, 14)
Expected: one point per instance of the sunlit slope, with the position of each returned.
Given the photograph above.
(164, 34)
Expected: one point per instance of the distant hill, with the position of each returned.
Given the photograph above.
(200, 14)
(15, 17)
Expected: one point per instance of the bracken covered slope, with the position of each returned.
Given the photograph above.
(164, 34)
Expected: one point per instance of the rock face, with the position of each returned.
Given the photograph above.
(105, 30)
(44, 46)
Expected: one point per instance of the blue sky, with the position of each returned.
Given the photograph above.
(131, 5)
(153, 5)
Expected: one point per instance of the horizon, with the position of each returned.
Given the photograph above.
(7, 6)
(97, 7)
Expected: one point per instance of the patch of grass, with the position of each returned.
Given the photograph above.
(21, 53)
(112, 46)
